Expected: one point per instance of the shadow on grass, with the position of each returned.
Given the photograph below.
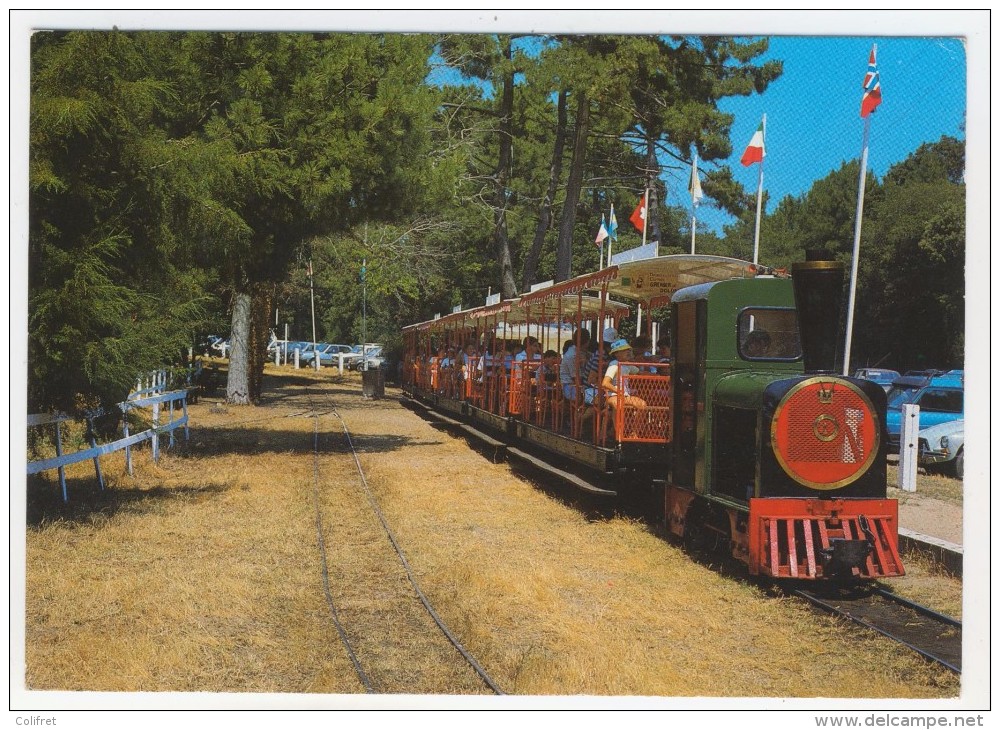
(89, 504)
(250, 441)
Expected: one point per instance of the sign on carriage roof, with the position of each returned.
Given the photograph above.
(648, 251)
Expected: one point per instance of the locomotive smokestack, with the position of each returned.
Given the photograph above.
(819, 293)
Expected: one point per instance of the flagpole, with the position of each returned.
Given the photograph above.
(694, 204)
(694, 222)
(312, 305)
(857, 247)
(645, 218)
(760, 192)
(694, 200)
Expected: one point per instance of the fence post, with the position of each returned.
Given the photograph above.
(128, 449)
(296, 358)
(156, 435)
(277, 356)
(909, 429)
(92, 438)
(62, 470)
(170, 420)
(340, 363)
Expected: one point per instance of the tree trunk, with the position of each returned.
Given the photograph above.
(564, 250)
(238, 384)
(545, 212)
(260, 331)
(508, 286)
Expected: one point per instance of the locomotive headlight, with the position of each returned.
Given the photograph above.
(824, 433)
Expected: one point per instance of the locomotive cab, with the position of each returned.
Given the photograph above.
(771, 449)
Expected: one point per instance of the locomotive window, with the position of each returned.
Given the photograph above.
(769, 334)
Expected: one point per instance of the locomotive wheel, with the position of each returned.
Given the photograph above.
(706, 530)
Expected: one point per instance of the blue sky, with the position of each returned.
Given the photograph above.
(813, 121)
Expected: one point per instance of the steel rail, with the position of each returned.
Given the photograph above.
(861, 621)
(409, 573)
(331, 410)
(326, 571)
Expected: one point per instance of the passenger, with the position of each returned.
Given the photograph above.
(529, 351)
(485, 365)
(641, 348)
(508, 356)
(571, 363)
(548, 371)
(448, 362)
(662, 357)
(590, 373)
(615, 380)
(757, 344)
(663, 350)
(435, 363)
(470, 360)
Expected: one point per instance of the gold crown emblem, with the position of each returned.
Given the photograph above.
(825, 393)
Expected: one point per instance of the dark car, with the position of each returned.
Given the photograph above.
(881, 376)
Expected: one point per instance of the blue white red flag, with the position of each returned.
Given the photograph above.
(872, 88)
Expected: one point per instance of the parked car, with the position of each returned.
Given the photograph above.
(372, 356)
(877, 375)
(291, 346)
(943, 447)
(328, 354)
(308, 355)
(941, 398)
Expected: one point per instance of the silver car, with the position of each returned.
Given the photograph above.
(943, 447)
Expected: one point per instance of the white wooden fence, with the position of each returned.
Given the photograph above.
(150, 392)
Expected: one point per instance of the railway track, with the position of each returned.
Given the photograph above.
(323, 408)
(936, 637)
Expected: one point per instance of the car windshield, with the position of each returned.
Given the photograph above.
(898, 396)
(941, 400)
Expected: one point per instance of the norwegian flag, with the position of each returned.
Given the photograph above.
(873, 89)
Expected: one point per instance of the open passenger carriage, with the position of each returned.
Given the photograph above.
(518, 396)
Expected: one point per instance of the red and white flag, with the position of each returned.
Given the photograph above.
(755, 150)
(638, 217)
(873, 89)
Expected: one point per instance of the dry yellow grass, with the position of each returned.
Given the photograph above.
(204, 574)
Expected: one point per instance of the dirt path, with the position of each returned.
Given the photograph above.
(206, 573)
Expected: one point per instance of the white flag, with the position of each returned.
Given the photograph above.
(696, 194)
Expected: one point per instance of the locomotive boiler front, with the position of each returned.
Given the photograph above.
(821, 510)
(823, 436)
